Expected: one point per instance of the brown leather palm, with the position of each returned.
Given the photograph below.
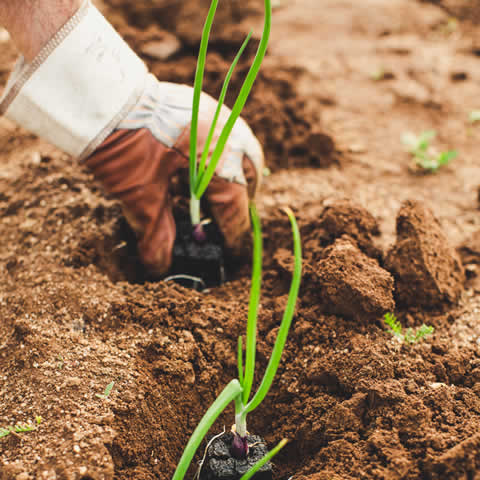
(137, 169)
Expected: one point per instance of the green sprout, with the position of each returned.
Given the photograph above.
(201, 174)
(107, 391)
(264, 460)
(238, 390)
(450, 26)
(474, 116)
(410, 336)
(19, 428)
(424, 155)
(378, 74)
(395, 326)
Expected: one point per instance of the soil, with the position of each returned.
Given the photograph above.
(197, 264)
(341, 84)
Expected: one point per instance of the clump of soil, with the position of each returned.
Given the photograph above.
(469, 250)
(428, 272)
(352, 284)
(342, 217)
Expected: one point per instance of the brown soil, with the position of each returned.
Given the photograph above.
(341, 84)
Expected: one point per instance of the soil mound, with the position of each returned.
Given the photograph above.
(343, 218)
(427, 270)
(352, 284)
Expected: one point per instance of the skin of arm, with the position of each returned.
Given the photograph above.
(31, 23)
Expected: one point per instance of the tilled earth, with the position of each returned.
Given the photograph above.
(342, 83)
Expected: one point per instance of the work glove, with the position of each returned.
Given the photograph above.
(90, 95)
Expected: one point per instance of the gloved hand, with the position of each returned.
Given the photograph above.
(88, 93)
(151, 145)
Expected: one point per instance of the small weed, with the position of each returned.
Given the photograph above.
(474, 116)
(410, 336)
(424, 155)
(20, 428)
(61, 362)
(106, 393)
(449, 27)
(378, 74)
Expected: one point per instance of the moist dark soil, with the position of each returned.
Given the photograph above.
(341, 83)
(220, 464)
(197, 264)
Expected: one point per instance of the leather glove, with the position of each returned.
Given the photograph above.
(89, 94)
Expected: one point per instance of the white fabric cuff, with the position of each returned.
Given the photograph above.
(79, 87)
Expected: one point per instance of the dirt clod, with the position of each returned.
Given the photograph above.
(427, 270)
(344, 217)
(352, 284)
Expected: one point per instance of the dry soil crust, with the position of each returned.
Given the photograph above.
(353, 401)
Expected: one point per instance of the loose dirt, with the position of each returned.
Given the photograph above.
(342, 82)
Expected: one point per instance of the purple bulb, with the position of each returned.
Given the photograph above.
(199, 233)
(239, 446)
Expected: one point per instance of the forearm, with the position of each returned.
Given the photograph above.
(31, 23)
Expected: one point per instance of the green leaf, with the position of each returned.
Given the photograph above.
(409, 336)
(277, 351)
(221, 101)
(106, 393)
(395, 326)
(23, 428)
(418, 144)
(251, 339)
(378, 75)
(197, 90)
(108, 389)
(423, 332)
(264, 460)
(425, 138)
(474, 116)
(240, 360)
(239, 103)
(446, 157)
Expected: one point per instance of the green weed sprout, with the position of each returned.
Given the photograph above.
(474, 116)
(238, 390)
(107, 391)
(201, 174)
(424, 155)
(20, 428)
(410, 336)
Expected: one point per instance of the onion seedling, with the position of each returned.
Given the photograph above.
(201, 173)
(239, 390)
